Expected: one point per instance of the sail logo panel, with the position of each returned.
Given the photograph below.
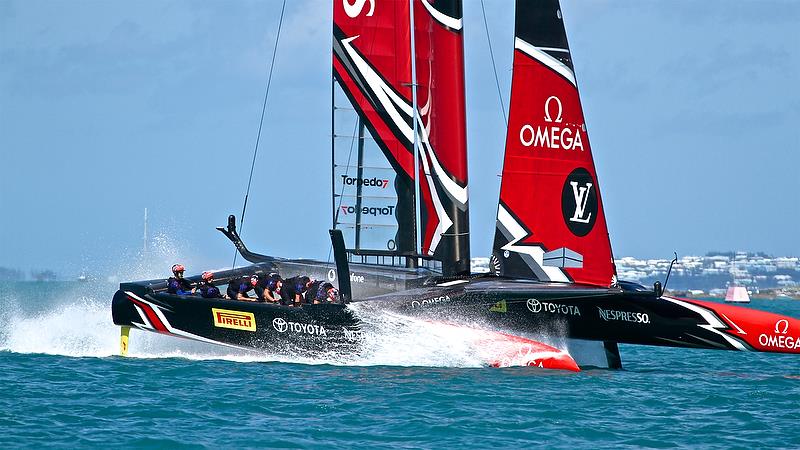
(365, 193)
(549, 196)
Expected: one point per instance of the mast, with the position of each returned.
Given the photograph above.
(415, 118)
(360, 186)
(333, 147)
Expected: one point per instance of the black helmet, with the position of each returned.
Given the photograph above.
(272, 281)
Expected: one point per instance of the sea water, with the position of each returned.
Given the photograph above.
(63, 386)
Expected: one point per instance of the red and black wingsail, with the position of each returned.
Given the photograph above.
(372, 65)
(442, 142)
(550, 220)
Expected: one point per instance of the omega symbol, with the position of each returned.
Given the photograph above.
(547, 116)
(354, 9)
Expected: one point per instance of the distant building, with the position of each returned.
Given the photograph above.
(711, 273)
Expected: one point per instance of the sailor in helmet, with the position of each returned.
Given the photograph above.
(239, 287)
(269, 288)
(323, 292)
(294, 290)
(207, 288)
(326, 293)
(176, 284)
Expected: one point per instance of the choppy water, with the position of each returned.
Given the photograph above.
(63, 387)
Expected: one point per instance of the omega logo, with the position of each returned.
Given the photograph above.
(354, 9)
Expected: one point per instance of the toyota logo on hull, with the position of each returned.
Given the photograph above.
(280, 325)
(535, 306)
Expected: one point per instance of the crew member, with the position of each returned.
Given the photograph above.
(269, 288)
(176, 284)
(239, 287)
(207, 288)
(294, 289)
(332, 295)
(322, 292)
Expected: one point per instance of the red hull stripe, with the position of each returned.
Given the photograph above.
(151, 315)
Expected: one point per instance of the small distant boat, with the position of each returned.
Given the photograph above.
(737, 294)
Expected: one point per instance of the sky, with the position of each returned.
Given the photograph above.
(110, 107)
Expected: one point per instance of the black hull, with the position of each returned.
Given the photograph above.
(264, 327)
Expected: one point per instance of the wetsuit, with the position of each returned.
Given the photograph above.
(293, 286)
(179, 286)
(311, 293)
(264, 285)
(208, 290)
(239, 286)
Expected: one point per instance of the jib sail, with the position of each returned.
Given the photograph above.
(550, 220)
(379, 162)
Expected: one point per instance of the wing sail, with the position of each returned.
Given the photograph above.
(374, 195)
(442, 143)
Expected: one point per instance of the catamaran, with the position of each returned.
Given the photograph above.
(400, 201)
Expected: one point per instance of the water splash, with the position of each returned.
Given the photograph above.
(163, 252)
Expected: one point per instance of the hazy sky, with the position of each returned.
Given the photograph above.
(106, 108)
